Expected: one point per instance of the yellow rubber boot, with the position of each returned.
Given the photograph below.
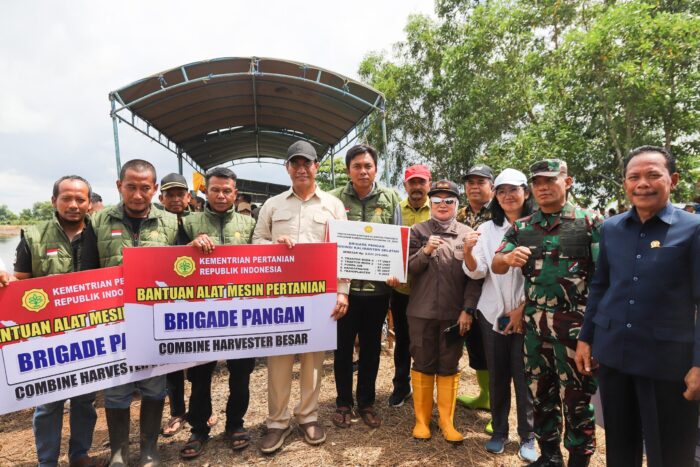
(423, 386)
(446, 401)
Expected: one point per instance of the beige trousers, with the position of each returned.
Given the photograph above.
(279, 387)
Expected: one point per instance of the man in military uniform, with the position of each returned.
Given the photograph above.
(54, 247)
(134, 222)
(219, 224)
(478, 188)
(556, 247)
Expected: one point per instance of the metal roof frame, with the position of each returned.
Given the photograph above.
(223, 110)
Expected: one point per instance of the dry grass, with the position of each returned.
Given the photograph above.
(391, 444)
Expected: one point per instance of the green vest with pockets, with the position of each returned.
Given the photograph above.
(50, 249)
(113, 234)
(228, 228)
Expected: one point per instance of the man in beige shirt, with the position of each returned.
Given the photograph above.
(298, 215)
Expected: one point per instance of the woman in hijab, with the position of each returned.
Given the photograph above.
(436, 316)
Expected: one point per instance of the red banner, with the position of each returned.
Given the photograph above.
(62, 336)
(52, 305)
(238, 302)
(166, 274)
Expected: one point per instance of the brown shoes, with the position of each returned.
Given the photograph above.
(274, 439)
(312, 432)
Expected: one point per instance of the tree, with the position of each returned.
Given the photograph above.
(324, 178)
(511, 81)
(42, 211)
(7, 216)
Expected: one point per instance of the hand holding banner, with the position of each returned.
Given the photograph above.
(369, 251)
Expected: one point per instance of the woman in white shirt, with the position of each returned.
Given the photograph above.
(501, 313)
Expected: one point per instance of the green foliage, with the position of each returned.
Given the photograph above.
(324, 178)
(7, 216)
(42, 211)
(508, 82)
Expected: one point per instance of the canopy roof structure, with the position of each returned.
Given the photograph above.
(213, 112)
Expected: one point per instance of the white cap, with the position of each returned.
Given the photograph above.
(510, 177)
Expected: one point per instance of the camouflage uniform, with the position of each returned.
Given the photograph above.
(474, 219)
(564, 249)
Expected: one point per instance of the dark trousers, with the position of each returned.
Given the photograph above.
(402, 356)
(434, 351)
(641, 412)
(239, 394)
(505, 358)
(475, 348)
(364, 319)
(175, 383)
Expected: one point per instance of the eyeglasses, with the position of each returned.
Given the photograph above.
(507, 191)
(447, 201)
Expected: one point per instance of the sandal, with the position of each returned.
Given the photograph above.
(342, 418)
(194, 446)
(370, 417)
(213, 420)
(174, 425)
(240, 436)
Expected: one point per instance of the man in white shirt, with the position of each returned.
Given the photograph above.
(298, 215)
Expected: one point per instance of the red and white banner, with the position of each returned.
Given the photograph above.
(62, 336)
(240, 301)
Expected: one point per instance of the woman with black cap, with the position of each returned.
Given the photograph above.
(437, 319)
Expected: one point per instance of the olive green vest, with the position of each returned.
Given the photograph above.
(378, 206)
(228, 228)
(158, 229)
(50, 249)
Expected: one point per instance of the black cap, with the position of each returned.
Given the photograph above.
(479, 170)
(173, 180)
(444, 186)
(303, 149)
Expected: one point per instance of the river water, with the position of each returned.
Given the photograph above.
(8, 245)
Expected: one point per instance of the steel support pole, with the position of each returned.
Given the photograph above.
(115, 129)
(333, 169)
(179, 162)
(386, 150)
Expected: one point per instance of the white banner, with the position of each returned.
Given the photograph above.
(230, 328)
(369, 251)
(47, 369)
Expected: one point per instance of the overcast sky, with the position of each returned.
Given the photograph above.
(60, 59)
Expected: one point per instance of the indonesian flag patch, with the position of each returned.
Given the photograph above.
(116, 233)
(52, 252)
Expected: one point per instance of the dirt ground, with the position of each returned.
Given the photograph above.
(391, 444)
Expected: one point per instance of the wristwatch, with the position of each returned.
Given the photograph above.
(471, 311)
